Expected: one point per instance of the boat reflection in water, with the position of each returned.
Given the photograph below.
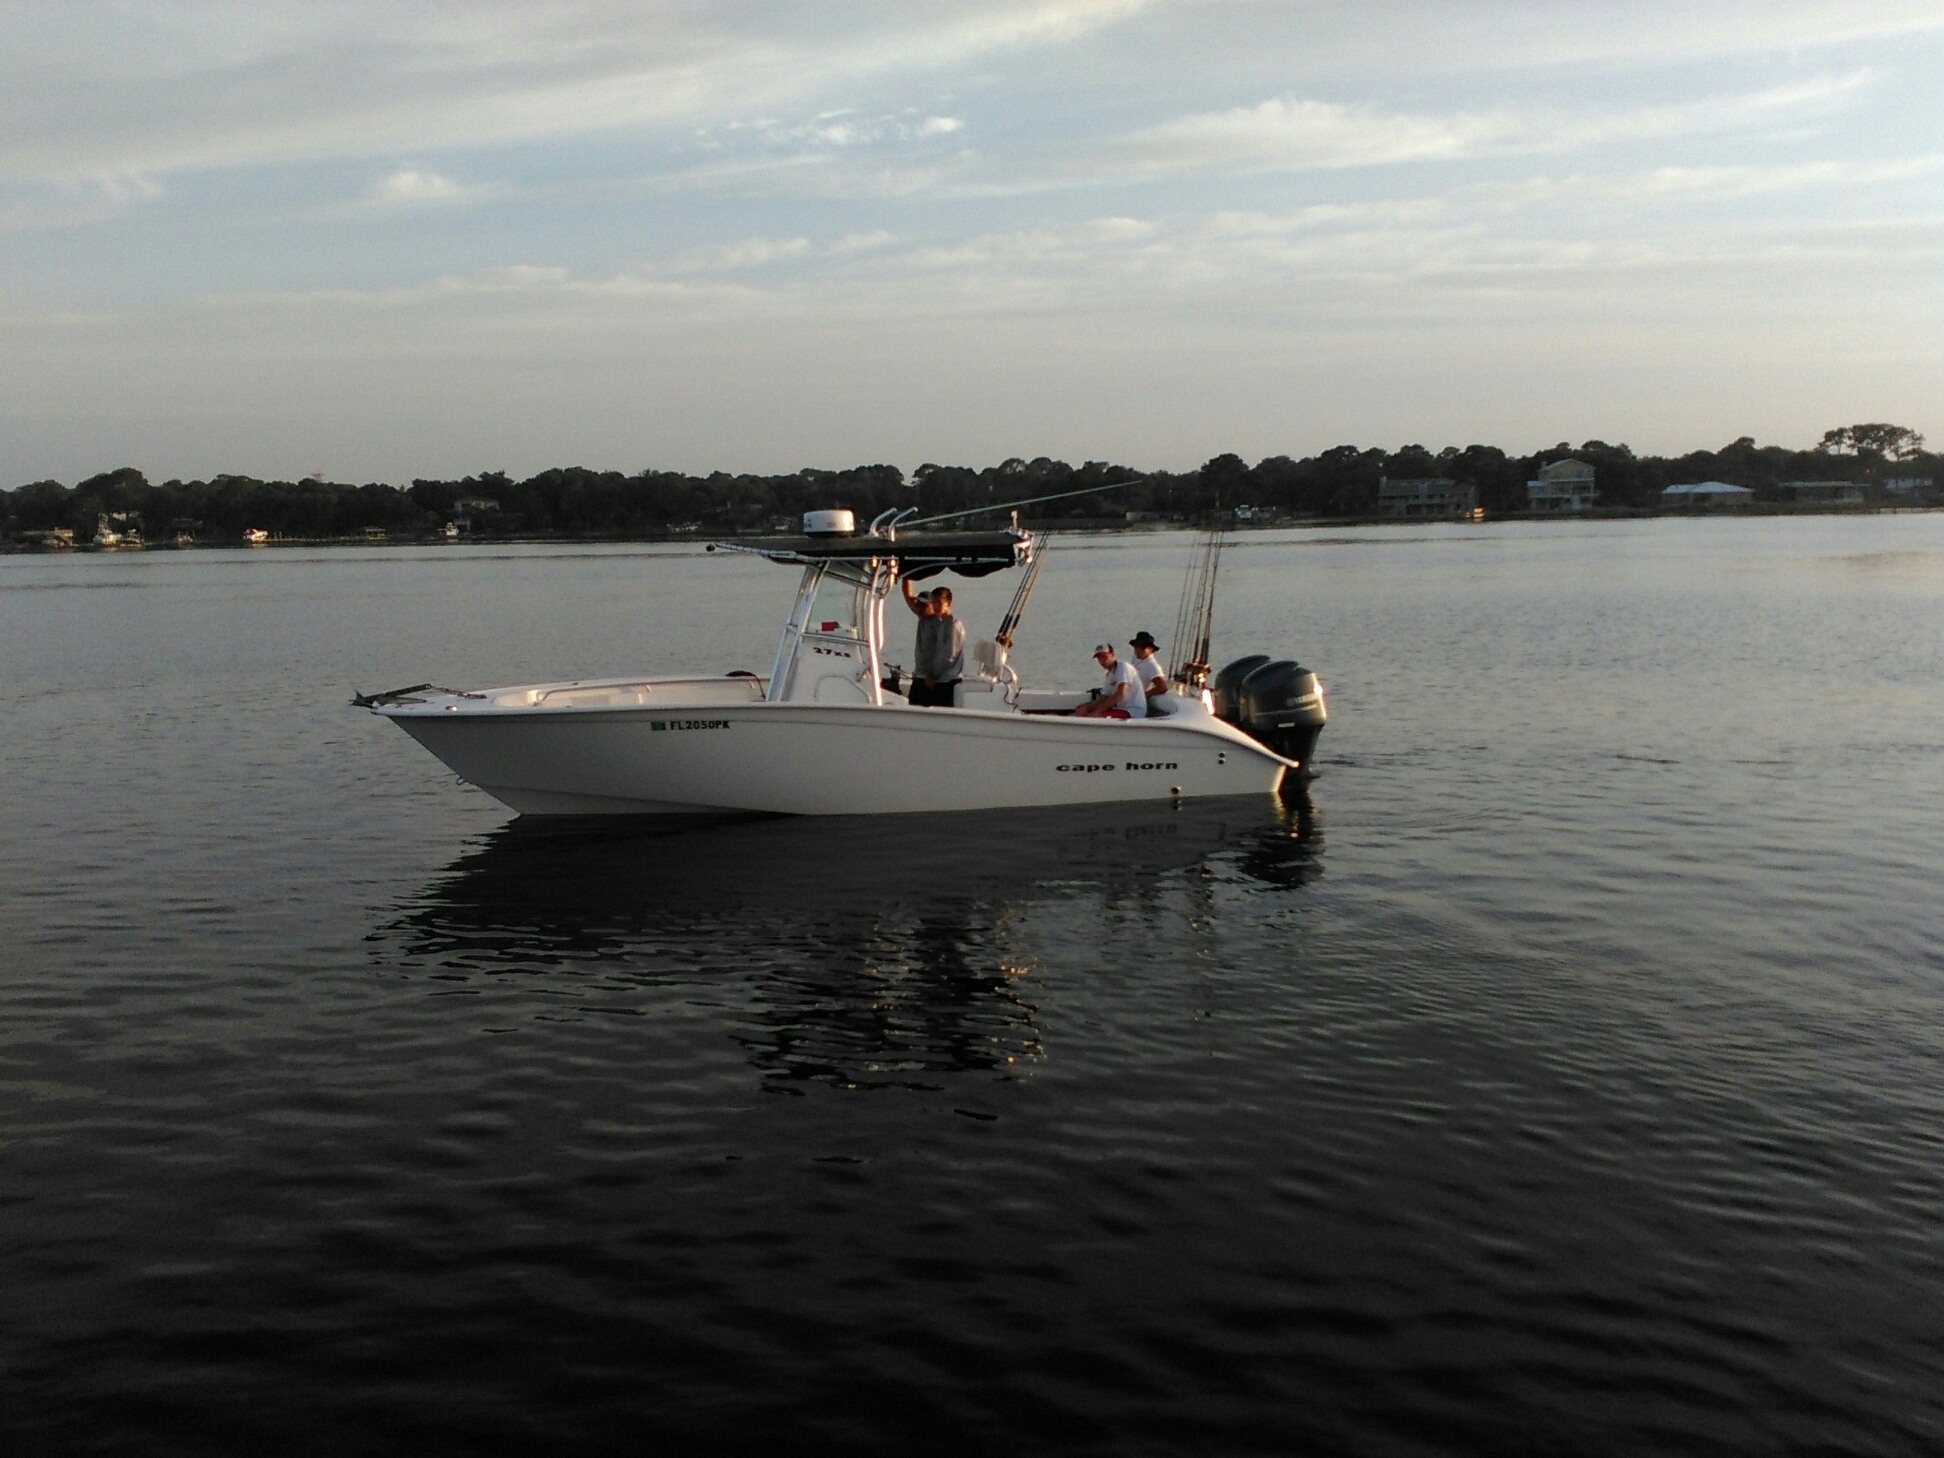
(852, 951)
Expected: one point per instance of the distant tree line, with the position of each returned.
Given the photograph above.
(574, 501)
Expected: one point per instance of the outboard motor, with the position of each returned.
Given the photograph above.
(1282, 705)
(1227, 688)
(1279, 704)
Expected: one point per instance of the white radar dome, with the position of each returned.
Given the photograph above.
(829, 524)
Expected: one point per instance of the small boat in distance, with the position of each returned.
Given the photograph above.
(825, 733)
(256, 536)
(118, 531)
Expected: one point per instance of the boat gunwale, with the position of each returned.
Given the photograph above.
(978, 723)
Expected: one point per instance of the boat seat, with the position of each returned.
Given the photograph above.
(990, 658)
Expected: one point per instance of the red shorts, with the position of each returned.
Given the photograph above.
(1117, 714)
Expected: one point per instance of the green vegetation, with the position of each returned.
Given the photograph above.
(573, 501)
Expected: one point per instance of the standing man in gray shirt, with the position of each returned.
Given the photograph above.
(941, 648)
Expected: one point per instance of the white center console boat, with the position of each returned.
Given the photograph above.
(823, 734)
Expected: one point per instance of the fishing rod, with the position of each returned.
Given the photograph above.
(1199, 665)
(1010, 623)
(1195, 619)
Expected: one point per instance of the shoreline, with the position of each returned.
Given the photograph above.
(1087, 527)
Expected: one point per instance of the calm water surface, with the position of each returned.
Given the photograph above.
(1566, 1074)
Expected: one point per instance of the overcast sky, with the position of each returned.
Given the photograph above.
(384, 240)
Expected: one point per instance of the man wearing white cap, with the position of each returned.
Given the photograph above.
(1121, 696)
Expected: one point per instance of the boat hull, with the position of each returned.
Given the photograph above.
(818, 759)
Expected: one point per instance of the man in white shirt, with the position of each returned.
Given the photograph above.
(939, 661)
(1121, 696)
(1154, 678)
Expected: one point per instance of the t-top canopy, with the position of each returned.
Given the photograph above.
(970, 554)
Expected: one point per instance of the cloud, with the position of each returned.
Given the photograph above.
(842, 128)
(852, 244)
(163, 88)
(750, 253)
(1576, 41)
(419, 187)
(1094, 239)
(534, 365)
(1792, 102)
(65, 202)
(508, 278)
(997, 182)
(845, 153)
(547, 296)
(1299, 134)
(1287, 132)
(118, 190)
(1712, 184)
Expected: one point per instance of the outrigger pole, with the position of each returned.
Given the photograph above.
(1029, 501)
(1042, 543)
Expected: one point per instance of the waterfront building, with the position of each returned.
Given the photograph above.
(1562, 486)
(1704, 495)
(1824, 493)
(1435, 496)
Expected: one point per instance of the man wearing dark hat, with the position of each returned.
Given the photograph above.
(1154, 677)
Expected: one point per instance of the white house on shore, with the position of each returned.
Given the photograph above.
(1703, 495)
(1562, 486)
(1433, 496)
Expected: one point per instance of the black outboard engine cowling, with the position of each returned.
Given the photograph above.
(1227, 688)
(1281, 704)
